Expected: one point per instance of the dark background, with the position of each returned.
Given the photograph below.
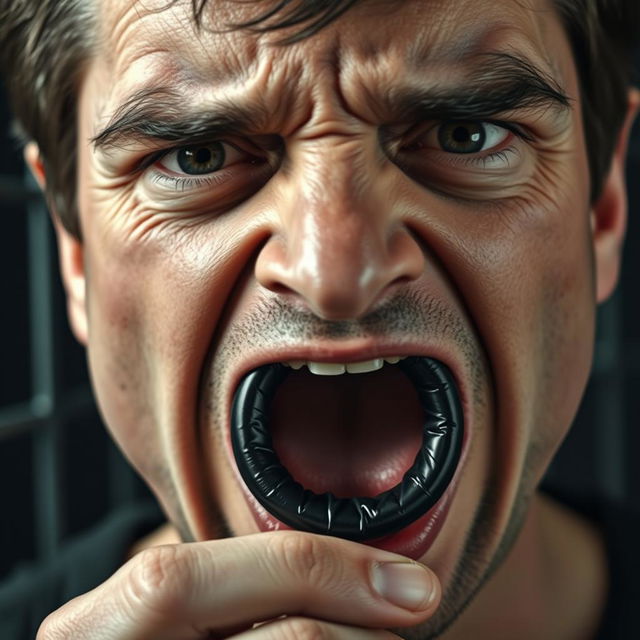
(60, 475)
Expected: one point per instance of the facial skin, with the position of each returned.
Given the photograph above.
(339, 230)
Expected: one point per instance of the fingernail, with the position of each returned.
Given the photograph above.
(406, 584)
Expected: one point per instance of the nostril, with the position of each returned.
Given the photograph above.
(400, 280)
(271, 268)
(279, 288)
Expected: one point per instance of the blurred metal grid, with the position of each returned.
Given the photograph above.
(49, 408)
(47, 455)
(609, 399)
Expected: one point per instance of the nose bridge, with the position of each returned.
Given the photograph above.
(336, 231)
(340, 247)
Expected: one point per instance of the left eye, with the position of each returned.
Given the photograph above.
(197, 160)
(466, 137)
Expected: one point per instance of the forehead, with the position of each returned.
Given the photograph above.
(376, 44)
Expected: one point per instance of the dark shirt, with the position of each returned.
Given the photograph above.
(31, 593)
(620, 527)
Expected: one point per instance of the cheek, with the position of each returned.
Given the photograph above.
(155, 299)
(566, 305)
(524, 270)
(548, 288)
(567, 331)
(118, 351)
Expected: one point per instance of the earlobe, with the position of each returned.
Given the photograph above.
(609, 212)
(70, 255)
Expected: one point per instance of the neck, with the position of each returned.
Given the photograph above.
(553, 583)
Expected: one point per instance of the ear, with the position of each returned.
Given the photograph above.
(609, 213)
(70, 253)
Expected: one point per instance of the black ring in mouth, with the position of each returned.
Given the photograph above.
(357, 518)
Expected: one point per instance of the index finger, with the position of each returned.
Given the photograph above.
(176, 591)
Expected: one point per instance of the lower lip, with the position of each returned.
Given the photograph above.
(413, 541)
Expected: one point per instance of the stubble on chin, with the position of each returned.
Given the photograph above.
(480, 557)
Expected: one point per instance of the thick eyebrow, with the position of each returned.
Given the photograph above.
(161, 114)
(500, 83)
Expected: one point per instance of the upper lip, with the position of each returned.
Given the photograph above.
(333, 352)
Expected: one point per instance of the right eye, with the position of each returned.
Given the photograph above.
(201, 159)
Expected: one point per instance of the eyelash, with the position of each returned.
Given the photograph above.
(481, 162)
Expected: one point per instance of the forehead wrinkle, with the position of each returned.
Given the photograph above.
(519, 26)
(490, 37)
(316, 75)
(144, 47)
(142, 28)
(376, 81)
(121, 24)
(531, 35)
(374, 62)
(181, 98)
(131, 54)
(156, 76)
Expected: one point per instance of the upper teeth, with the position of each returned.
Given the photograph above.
(338, 368)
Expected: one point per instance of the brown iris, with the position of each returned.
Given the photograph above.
(462, 137)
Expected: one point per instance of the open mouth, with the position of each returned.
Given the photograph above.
(357, 450)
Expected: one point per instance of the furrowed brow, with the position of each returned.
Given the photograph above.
(159, 114)
(502, 82)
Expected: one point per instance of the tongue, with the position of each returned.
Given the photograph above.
(351, 435)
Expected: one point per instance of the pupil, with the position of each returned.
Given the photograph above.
(461, 134)
(202, 156)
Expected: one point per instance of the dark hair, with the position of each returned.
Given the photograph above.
(46, 45)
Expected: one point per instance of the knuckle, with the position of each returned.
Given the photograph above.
(49, 629)
(302, 629)
(306, 558)
(158, 580)
(56, 626)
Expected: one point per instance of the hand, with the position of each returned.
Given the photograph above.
(299, 585)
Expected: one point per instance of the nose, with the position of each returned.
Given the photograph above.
(340, 246)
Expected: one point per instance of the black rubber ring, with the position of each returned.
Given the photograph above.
(352, 518)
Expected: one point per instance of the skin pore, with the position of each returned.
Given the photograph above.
(339, 228)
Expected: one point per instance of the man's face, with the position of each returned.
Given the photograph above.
(361, 194)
